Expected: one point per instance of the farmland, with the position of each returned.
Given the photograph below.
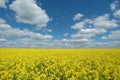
(59, 64)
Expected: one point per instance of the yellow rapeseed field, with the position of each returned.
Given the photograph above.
(59, 64)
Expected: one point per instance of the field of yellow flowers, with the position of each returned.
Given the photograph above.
(59, 64)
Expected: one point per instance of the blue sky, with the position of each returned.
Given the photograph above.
(60, 23)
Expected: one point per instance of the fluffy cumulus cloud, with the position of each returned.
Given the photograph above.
(3, 3)
(83, 38)
(117, 14)
(88, 29)
(88, 33)
(114, 5)
(81, 24)
(111, 44)
(21, 38)
(2, 21)
(27, 11)
(66, 34)
(103, 37)
(78, 17)
(114, 35)
(105, 22)
(45, 30)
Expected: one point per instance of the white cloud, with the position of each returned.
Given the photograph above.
(79, 40)
(14, 37)
(3, 3)
(27, 11)
(110, 44)
(117, 14)
(99, 22)
(2, 21)
(90, 28)
(68, 43)
(115, 44)
(78, 16)
(114, 35)
(114, 5)
(17, 33)
(88, 33)
(81, 24)
(66, 34)
(104, 22)
(46, 30)
(103, 37)
(61, 44)
(92, 31)
(2, 40)
(76, 42)
(83, 38)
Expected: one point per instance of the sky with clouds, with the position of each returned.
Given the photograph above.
(60, 23)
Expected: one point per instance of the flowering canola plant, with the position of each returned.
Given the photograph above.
(59, 64)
